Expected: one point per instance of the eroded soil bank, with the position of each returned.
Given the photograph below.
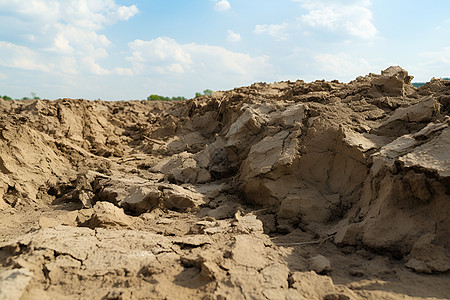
(290, 190)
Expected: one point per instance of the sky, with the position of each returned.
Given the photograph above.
(129, 49)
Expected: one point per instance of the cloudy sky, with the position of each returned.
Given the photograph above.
(128, 49)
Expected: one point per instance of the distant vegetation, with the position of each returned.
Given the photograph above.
(6, 97)
(162, 98)
(419, 84)
(33, 96)
(207, 92)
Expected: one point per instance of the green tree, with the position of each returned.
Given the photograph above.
(162, 98)
(155, 98)
(206, 92)
(179, 98)
(6, 97)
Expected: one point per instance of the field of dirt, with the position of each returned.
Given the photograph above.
(290, 190)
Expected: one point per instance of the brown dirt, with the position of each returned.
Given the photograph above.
(290, 190)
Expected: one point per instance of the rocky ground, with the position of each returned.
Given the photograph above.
(290, 190)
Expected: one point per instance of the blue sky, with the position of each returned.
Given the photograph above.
(122, 50)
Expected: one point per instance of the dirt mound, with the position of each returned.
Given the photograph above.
(290, 190)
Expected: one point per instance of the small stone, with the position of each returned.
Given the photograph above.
(85, 197)
(141, 198)
(425, 257)
(247, 223)
(181, 199)
(347, 235)
(107, 215)
(320, 264)
(223, 211)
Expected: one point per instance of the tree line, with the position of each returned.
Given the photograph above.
(206, 92)
(149, 98)
(33, 96)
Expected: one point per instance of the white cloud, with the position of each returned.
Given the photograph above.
(352, 18)
(164, 55)
(89, 42)
(93, 67)
(171, 69)
(62, 44)
(277, 31)
(24, 58)
(341, 65)
(325, 17)
(222, 5)
(123, 71)
(233, 36)
(349, 17)
(160, 50)
(218, 59)
(123, 13)
(68, 64)
(92, 14)
(3, 76)
(66, 32)
(20, 57)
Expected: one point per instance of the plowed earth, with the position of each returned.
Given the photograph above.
(290, 190)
